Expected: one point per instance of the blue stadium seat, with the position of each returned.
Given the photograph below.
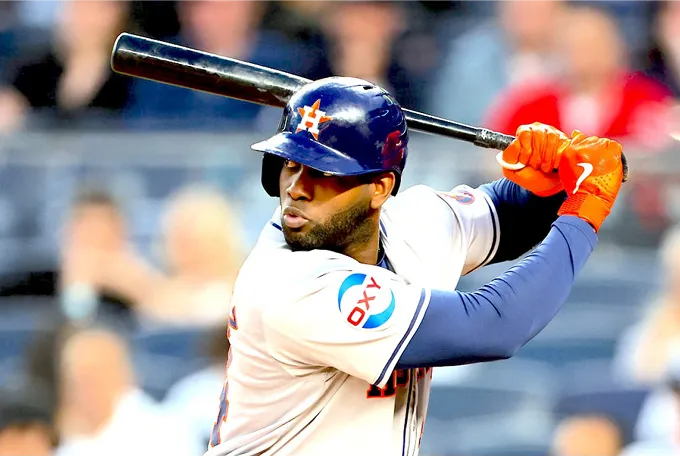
(493, 388)
(512, 449)
(157, 373)
(467, 401)
(182, 343)
(15, 341)
(510, 433)
(10, 370)
(561, 351)
(620, 293)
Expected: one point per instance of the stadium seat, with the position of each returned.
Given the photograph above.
(15, 341)
(157, 373)
(563, 350)
(10, 370)
(592, 320)
(512, 449)
(467, 401)
(182, 343)
(494, 388)
(608, 291)
(509, 433)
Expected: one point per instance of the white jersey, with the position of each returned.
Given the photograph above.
(315, 336)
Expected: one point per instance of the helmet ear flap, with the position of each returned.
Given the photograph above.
(271, 172)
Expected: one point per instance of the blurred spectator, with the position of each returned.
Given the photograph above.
(301, 22)
(596, 93)
(229, 28)
(26, 422)
(516, 47)
(103, 412)
(645, 352)
(382, 42)
(94, 229)
(43, 355)
(669, 412)
(74, 79)
(587, 435)
(203, 249)
(662, 61)
(194, 399)
(156, 18)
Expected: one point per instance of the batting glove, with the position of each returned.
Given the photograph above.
(591, 172)
(532, 158)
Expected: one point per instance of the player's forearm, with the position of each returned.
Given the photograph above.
(503, 315)
(524, 218)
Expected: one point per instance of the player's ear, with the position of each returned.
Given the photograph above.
(382, 189)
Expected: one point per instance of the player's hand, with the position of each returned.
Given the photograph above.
(591, 172)
(539, 147)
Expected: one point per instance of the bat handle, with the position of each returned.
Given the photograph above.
(494, 140)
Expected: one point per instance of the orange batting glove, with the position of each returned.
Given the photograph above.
(539, 147)
(592, 173)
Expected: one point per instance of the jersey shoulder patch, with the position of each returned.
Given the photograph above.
(366, 302)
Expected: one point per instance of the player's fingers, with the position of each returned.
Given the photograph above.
(511, 153)
(562, 145)
(550, 152)
(537, 148)
(577, 136)
(524, 136)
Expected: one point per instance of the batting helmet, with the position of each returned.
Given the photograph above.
(340, 126)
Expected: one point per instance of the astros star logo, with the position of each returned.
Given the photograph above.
(312, 117)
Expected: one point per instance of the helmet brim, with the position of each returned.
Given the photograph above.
(306, 151)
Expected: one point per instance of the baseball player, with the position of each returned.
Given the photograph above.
(348, 299)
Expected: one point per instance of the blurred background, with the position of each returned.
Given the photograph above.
(127, 207)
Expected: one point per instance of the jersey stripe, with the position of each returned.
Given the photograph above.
(399, 347)
(407, 416)
(495, 241)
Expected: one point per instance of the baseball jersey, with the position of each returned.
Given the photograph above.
(315, 335)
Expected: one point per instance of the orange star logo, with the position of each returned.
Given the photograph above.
(312, 117)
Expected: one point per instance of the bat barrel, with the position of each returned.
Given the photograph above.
(146, 58)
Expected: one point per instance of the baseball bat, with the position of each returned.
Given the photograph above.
(146, 58)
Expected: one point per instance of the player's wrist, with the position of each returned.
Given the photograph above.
(586, 206)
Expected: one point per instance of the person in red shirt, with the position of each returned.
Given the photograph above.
(596, 92)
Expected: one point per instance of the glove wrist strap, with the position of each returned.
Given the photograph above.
(586, 206)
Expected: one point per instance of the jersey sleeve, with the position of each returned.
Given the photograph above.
(476, 221)
(459, 226)
(356, 320)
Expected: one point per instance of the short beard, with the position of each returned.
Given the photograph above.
(335, 234)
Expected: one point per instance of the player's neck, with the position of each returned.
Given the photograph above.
(366, 251)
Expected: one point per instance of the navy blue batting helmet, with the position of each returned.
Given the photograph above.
(340, 126)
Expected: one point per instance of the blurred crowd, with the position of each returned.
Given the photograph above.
(108, 347)
(573, 65)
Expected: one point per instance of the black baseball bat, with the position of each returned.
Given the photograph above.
(169, 63)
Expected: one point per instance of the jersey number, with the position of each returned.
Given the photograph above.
(398, 378)
(224, 402)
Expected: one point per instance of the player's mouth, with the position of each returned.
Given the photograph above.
(294, 218)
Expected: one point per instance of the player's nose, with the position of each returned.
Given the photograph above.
(300, 186)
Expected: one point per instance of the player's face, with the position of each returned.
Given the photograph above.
(320, 211)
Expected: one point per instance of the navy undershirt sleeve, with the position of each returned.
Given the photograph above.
(524, 217)
(498, 319)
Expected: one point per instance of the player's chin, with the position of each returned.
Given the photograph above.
(298, 240)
